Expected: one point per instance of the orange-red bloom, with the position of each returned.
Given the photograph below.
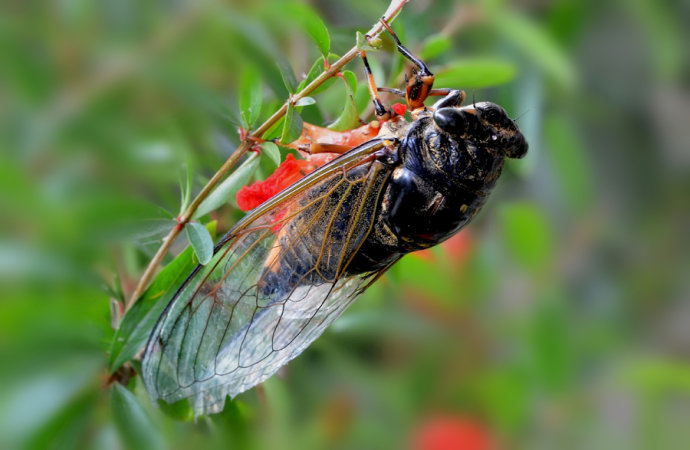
(451, 433)
(291, 170)
(399, 108)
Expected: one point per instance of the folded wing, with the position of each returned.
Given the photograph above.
(275, 283)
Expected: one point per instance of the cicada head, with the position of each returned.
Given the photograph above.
(465, 146)
(483, 124)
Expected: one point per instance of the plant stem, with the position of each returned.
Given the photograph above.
(394, 7)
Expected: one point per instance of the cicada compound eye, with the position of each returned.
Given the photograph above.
(450, 120)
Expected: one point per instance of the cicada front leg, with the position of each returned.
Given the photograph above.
(419, 85)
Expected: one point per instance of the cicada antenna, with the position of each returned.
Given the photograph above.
(519, 116)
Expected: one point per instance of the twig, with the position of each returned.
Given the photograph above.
(393, 9)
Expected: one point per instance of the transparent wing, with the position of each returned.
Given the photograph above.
(275, 283)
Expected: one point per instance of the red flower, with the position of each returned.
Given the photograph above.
(399, 108)
(458, 248)
(451, 433)
(291, 170)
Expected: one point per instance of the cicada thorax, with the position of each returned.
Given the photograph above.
(440, 183)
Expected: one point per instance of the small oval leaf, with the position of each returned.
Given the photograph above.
(537, 44)
(527, 235)
(435, 45)
(139, 320)
(250, 96)
(292, 128)
(310, 22)
(226, 191)
(316, 69)
(349, 117)
(272, 151)
(288, 74)
(305, 101)
(133, 424)
(475, 73)
(201, 241)
(186, 188)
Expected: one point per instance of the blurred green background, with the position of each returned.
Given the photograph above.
(559, 319)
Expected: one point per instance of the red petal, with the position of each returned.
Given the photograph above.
(451, 433)
(399, 108)
(290, 171)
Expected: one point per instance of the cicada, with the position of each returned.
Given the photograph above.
(290, 268)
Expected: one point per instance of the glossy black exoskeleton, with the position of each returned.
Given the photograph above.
(447, 164)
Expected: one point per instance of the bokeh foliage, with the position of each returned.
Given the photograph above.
(559, 319)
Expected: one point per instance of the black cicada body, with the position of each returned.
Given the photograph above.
(295, 263)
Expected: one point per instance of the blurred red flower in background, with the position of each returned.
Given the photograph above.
(458, 249)
(451, 433)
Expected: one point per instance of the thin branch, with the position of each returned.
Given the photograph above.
(393, 9)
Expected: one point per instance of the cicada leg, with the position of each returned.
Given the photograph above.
(318, 140)
(419, 86)
(382, 113)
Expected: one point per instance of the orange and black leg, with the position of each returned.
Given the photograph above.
(382, 113)
(419, 87)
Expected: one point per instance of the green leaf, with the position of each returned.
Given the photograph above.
(275, 131)
(475, 73)
(505, 394)
(179, 410)
(664, 32)
(292, 128)
(550, 342)
(428, 277)
(435, 45)
(70, 424)
(569, 158)
(288, 74)
(316, 70)
(201, 242)
(527, 235)
(134, 425)
(310, 22)
(657, 374)
(186, 188)
(351, 79)
(305, 101)
(538, 45)
(278, 403)
(250, 96)
(349, 117)
(138, 322)
(325, 86)
(272, 151)
(225, 192)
